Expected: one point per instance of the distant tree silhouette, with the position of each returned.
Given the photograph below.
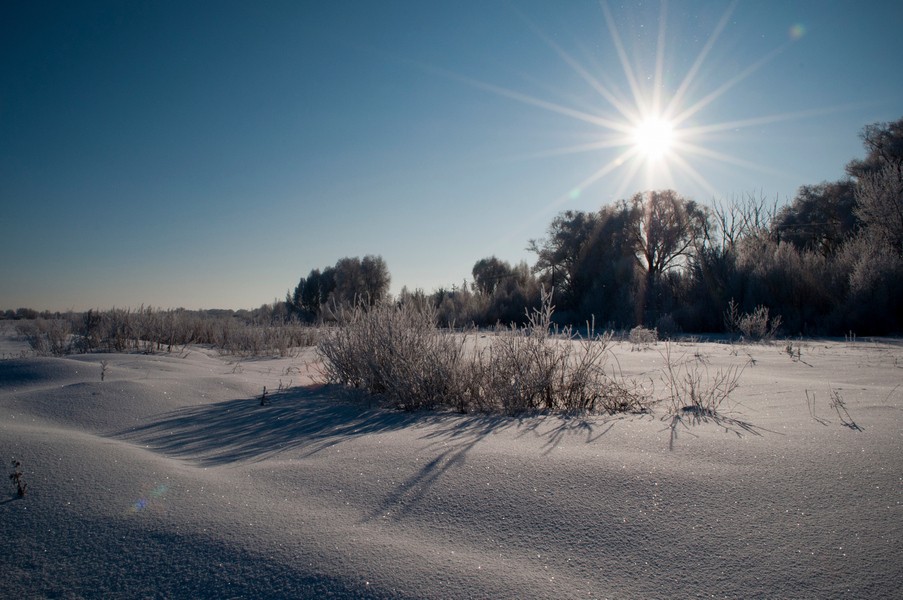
(312, 292)
(820, 218)
(558, 254)
(667, 230)
(359, 280)
(879, 205)
(883, 143)
(488, 272)
(605, 277)
(350, 281)
(376, 278)
(513, 296)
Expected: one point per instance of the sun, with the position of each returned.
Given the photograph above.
(654, 130)
(653, 138)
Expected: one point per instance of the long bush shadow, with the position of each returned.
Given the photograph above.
(568, 425)
(318, 416)
(552, 427)
(411, 491)
(312, 418)
(459, 435)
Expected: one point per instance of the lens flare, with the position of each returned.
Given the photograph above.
(153, 499)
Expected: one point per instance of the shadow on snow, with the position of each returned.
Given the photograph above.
(316, 417)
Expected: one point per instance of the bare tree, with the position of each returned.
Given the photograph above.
(820, 217)
(557, 255)
(736, 219)
(669, 229)
(879, 204)
(883, 143)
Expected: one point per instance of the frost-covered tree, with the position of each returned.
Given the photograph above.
(488, 272)
(820, 218)
(883, 143)
(879, 205)
(358, 280)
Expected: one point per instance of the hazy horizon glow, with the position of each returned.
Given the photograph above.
(208, 156)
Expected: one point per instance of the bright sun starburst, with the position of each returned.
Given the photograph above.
(653, 138)
(653, 127)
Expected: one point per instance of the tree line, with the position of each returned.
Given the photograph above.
(349, 282)
(829, 262)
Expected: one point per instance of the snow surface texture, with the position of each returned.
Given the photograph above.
(170, 479)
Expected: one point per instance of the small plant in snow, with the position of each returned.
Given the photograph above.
(17, 477)
(840, 407)
(642, 337)
(693, 389)
(810, 403)
(756, 326)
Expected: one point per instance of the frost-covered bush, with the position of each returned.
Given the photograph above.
(757, 325)
(641, 336)
(47, 337)
(398, 351)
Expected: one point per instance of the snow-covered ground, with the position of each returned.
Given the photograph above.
(169, 479)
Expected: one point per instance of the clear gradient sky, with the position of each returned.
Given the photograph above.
(208, 154)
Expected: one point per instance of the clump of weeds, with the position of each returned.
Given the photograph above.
(18, 479)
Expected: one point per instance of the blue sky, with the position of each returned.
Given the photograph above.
(208, 154)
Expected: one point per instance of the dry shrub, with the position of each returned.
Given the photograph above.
(641, 336)
(396, 351)
(47, 337)
(151, 330)
(692, 388)
(536, 367)
(399, 352)
(756, 326)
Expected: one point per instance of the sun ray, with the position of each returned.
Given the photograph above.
(613, 164)
(551, 106)
(768, 119)
(678, 96)
(498, 90)
(632, 169)
(659, 61)
(687, 168)
(626, 111)
(728, 159)
(625, 60)
(624, 157)
(608, 168)
(575, 149)
(711, 97)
